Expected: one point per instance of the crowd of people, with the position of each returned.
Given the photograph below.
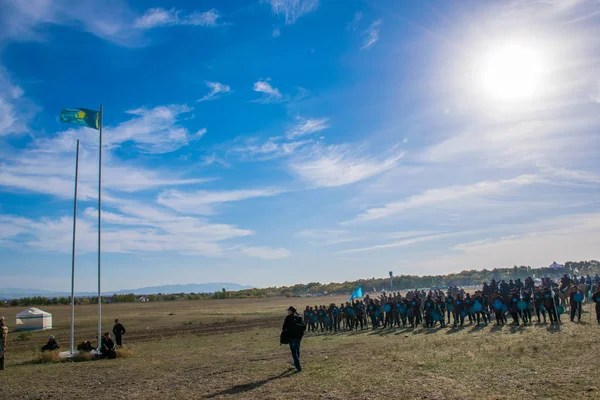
(494, 302)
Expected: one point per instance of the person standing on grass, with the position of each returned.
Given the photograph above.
(596, 300)
(118, 331)
(3, 340)
(293, 331)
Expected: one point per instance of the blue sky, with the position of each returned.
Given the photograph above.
(282, 141)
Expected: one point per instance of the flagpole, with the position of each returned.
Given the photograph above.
(73, 252)
(100, 232)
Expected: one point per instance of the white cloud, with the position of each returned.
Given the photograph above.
(276, 32)
(338, 165)
(47, 164)
(126, 234)
(371, 34)
(21, 20)
(201, 132)
(563, 238)
(272, 95)
(401, 243)
(266, 253)
(203, 201)
(272, 148)
(293, 9)
(156, 17)
(216, 90)
(353, 25)
(16, 111)
(449, 194)
(328, 237)
(308, 126)
(155, 130)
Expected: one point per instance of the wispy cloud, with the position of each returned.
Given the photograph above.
(307, 126)
(271, 94)
(155, 130)
(276, 32)
(371, 34)
(141, 228)
(16, 111)
(202, 202)
(560, 238)
(337, 165)
(157, 17)
(447, 194)
(25, 21)
(216, 90)
(292, 9)
(353, 25)
(267, 253)
(400, 243)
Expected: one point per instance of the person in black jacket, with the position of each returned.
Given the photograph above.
(550, 306)
(51, 345)
(108, 347)
(118, 331)
(596, 300)
(293, 335)
(575, 306)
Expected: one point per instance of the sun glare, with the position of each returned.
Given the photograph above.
(511, 72)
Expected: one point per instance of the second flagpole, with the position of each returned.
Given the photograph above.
(100, 232)
(73, 253)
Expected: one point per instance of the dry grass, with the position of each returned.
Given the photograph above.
(47, 357)
(83, 356)
(125, 352)
(248, 363)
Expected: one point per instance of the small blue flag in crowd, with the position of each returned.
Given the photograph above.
(81, 116)
(356, 294)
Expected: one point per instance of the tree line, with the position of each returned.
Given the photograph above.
(401, 282)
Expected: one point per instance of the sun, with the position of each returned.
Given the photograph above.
(511, 72)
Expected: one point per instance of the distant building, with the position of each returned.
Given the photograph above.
(142, 299)
(556, 266)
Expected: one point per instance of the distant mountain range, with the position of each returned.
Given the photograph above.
(17, 293)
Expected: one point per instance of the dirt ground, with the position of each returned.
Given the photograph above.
(230, 349)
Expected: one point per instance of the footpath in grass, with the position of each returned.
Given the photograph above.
(465, 363)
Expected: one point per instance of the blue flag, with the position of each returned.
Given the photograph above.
(81, 116)
(356, 294)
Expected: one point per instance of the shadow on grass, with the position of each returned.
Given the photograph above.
(246, 387)
(454, 329)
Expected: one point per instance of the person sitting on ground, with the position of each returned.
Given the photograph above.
(108, 347)
(85, 346)
(51, 345)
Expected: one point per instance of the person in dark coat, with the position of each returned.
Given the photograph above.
(118, 331)
(596, 300)
(292, 335)
(575, 306)
(108, 347)
(51, 345)
(538, 301)
(550, 306)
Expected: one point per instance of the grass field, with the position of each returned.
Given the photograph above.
(230, 349)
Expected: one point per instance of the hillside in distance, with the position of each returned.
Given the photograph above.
(17, 293)
(187, 288)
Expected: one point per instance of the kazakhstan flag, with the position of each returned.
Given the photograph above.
(81, 116)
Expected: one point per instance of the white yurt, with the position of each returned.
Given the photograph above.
(33, 319)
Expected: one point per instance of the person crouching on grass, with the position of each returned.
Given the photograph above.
(108, 347)
(292, 333)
